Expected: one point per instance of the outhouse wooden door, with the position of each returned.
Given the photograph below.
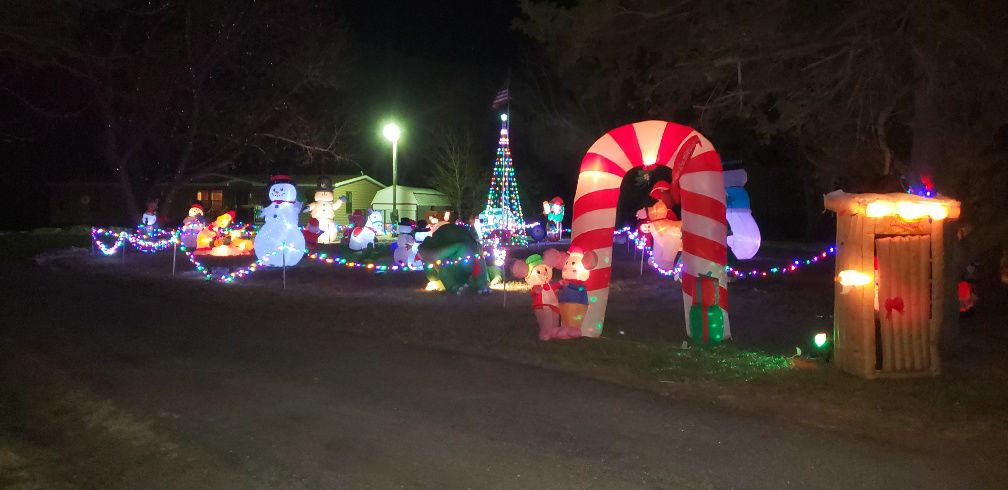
(904, 303)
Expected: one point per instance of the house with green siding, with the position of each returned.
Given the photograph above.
(101, 203)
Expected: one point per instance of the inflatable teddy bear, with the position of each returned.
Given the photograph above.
(572, 294)
(539, 274)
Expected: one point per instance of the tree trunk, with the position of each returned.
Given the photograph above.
(925, 150)
(126, 186)
(119, 166)
(169, 197)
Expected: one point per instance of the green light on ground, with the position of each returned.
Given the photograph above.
(820, 340)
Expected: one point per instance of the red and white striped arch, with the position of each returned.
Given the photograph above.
(695, 166)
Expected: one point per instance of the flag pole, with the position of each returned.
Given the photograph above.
(507, 85)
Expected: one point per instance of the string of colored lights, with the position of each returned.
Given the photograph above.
(790, 266)
(143, 242)
(232, 275)
(380, 268)
(137, 240)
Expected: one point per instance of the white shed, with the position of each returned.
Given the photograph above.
(412, 202)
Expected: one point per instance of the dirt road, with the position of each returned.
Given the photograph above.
(135, 383)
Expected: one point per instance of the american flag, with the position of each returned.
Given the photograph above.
(501, 98)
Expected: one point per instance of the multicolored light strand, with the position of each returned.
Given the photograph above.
(790, 267)
(141, 240)
(160, 240)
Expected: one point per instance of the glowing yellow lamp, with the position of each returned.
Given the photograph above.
(880, 209)
(937, 211)
(911, 211)
(906, 210)
(851, 277)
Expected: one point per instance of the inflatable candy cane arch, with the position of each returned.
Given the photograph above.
(696, 169)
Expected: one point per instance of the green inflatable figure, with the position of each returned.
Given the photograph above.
(449, 244)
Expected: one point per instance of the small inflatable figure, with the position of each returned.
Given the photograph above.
(192, 225)
(545, 304)
(554, 211)
(149, 219)
(362, 237)
(406, 246)
(664, 227)
(573, 295)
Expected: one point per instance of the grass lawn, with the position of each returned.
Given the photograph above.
(642, 345)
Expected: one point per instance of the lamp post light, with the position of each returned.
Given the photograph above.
(391, 132)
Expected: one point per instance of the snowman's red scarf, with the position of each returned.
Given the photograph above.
(281, 202)
(359, 229)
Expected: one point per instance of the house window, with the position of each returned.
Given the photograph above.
(349, 202)
(215, 199)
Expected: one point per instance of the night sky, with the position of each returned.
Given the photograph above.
(424, 64)
(418, 62)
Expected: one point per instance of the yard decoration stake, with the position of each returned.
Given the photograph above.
(696, 170)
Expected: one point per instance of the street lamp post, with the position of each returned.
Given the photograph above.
(391, 132)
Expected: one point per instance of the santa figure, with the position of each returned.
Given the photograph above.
(354, 220)
(311, 233)
(665, 228)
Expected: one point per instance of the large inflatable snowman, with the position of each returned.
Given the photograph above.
(281, 226)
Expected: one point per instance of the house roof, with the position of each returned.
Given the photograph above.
(302, 180)
(420, 196)
(430, 199)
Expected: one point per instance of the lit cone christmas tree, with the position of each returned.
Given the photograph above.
(503, 213)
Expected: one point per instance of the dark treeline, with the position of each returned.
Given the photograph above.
(810, 96)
